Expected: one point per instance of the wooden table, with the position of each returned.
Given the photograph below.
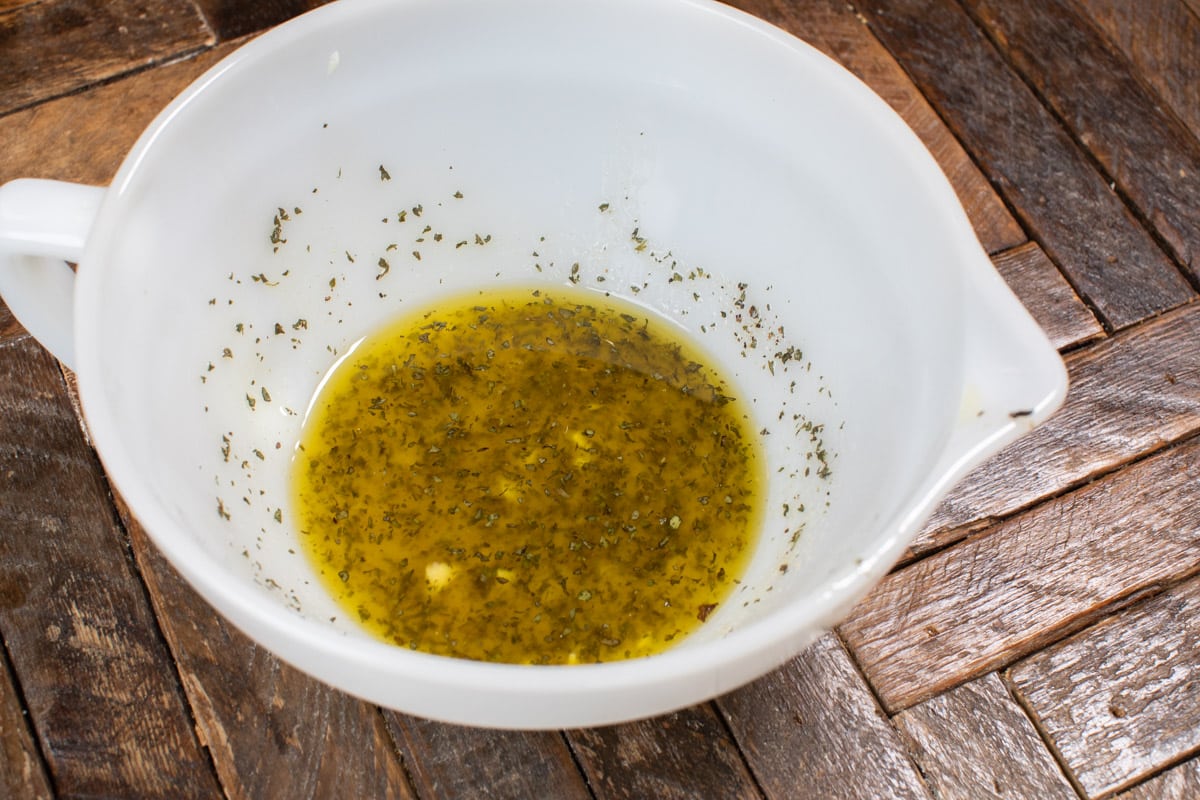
(1041, 639)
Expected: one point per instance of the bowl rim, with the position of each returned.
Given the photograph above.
(766, 642)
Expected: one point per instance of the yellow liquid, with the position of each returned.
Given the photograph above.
(528, 477)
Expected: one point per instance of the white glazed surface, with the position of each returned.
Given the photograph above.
(735, 153)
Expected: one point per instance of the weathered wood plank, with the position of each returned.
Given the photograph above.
(682, 755)
(1122, 700)
(1162, 39)
(102, 692)
(834, 28)
(9, 327)
(1129, 395)
(1047, 295)
(1180, 783)
(272, 731)
(813, 729)
(22, 772)
(1030, 581)
(453, 761)
(54, 47)
(975, 741)
(1052, 185)
(233, 18)
(1152, 156)
(85, 137)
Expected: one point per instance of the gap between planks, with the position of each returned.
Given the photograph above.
(1110, 259)
(55, 48)
(1119, 701)
(1146, 153)
(1031, 581)
(88, 613)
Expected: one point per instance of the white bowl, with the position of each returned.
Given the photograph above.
(720, 148)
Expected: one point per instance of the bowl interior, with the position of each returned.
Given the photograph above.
(710, 169)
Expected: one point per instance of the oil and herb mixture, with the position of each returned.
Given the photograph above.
(528, 477)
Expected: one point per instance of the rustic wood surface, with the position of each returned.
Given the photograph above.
(23, 773)
(1047, 295)
(59, 46)
(1139, 143)
(1116, 699)
(1180, 783)
(815, 727)
(96, 677)
(1161, 38)
(452, 761)
(1039, 639)
(1023, 583)
(677, 756)
(976, 741)
(1055, 186)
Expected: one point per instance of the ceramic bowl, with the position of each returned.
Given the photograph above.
(678, 154)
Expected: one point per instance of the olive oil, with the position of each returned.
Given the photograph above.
(536, 476)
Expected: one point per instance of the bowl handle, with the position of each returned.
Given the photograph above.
(1013, 378)
(43, 225)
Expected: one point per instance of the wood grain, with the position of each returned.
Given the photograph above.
(1152, 156)
(1129, 395)
(975, 741)
(1122, 700)
(272, 731)
(233, 18)
(55, 47)
(834, 28)
(1161, 38)
(683, 755)
(1052, 185)
(101, 689)
(22, 772)
(1179, 783)
(9, 327)
(998, 597)
(453, 761)
(1047, 296)
(813, 729)
(86, 136)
